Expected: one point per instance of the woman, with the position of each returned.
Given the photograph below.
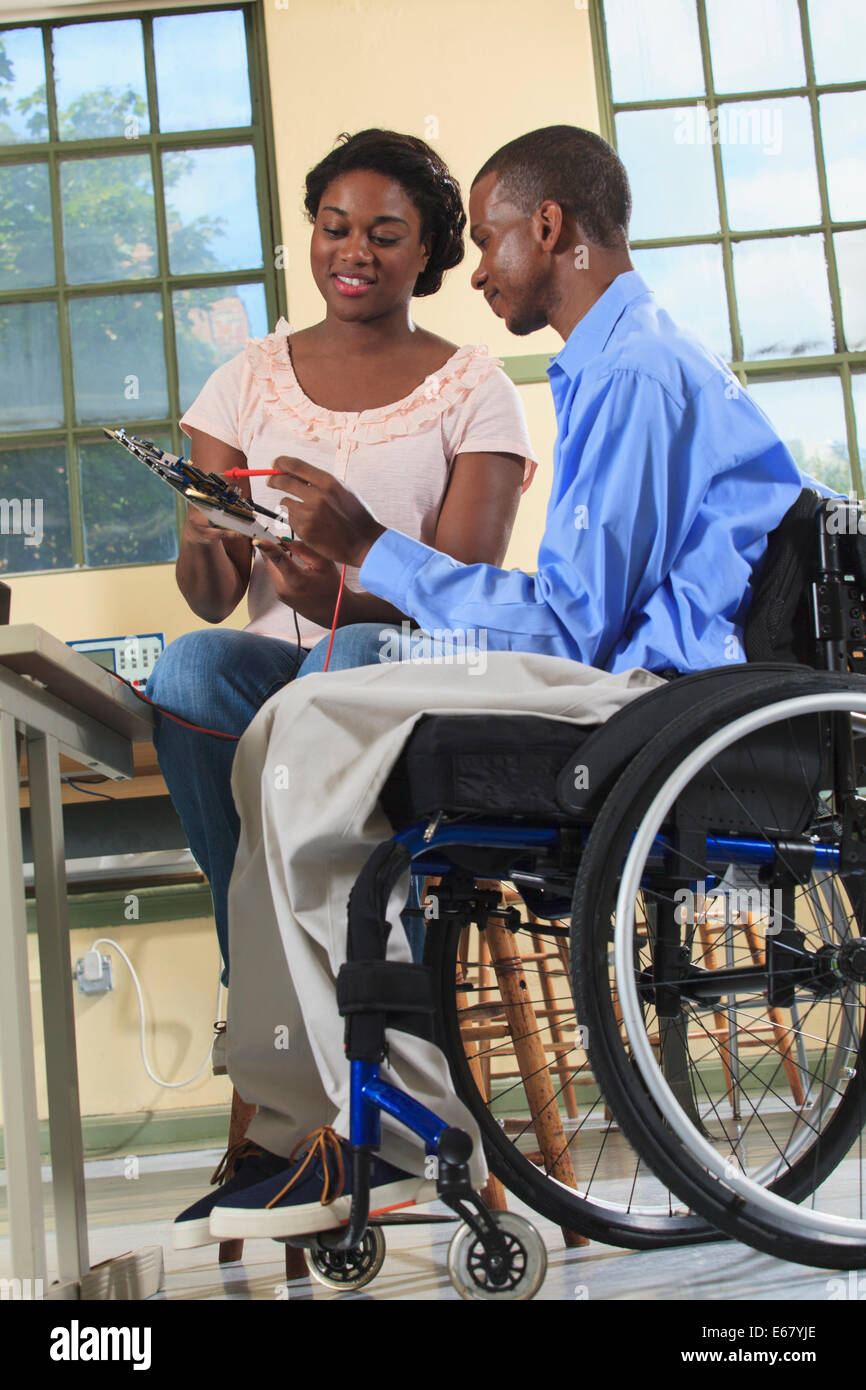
(432, 436)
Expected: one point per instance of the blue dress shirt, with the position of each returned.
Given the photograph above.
(667, 478)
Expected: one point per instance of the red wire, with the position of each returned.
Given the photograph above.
(199, 728)
(336, 611)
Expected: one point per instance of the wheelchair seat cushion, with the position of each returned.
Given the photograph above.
(533, 767)
(498, 765)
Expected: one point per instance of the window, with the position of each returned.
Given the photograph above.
(741, 124)
(136, 237)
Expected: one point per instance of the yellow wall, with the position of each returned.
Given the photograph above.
(466, 75)
(178, 966)
(478, 72)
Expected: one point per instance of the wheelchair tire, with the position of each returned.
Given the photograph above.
(587, 1210)
(800, 1148)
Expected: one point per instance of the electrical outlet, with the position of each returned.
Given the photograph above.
(93, 973)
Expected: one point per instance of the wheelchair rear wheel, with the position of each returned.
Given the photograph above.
(727, 865)
(519, 1065)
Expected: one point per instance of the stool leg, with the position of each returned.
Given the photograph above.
(563, 1070)
(709, 958)
(531, 1057)
(492, 1193)
(559, 951)
(242, 1113)
(296, 1265)
(781, 1034)
(486, 995)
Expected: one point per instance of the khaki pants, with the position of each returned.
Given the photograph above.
(306, 780)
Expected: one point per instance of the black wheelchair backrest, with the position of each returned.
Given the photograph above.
(809, 596)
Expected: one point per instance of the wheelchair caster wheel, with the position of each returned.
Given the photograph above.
(524, 1270)
(348, 1269)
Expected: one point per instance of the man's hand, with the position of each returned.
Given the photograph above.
(304, 580)
(330, 517)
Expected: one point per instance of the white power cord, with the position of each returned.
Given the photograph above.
(173, 1085)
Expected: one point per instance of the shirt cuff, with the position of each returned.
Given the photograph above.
(391, 566)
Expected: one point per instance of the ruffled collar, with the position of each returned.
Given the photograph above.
(270, 362)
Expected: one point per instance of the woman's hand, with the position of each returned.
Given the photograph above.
(199, 528)
(304, 580)
(331, 518)
(213, 567)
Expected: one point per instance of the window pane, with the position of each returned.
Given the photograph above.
(858, 389)
(843, 127)
(129, 515)
(211, 210)
(36, 479)
(202, 78)
(654, 49)
(669, 160)
(783, 298)
(689, 282)
(31, 390)
(118, 358)
(109, 227)
(838, 30)
(26, 243)
(768, 157)
(808, 415)
(851, 264)
(23, 110)
(99, 76)
(212, 326)
(773, 56)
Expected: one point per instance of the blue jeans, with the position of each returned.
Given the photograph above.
(220, 678)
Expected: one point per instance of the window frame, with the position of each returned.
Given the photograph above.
(258, 134)
(839, 364)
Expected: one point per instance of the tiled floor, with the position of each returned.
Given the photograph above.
(132, 1209)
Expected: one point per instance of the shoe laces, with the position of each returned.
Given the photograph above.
(322, 1142)
(232, 1158)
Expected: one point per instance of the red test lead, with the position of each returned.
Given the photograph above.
(252, 473)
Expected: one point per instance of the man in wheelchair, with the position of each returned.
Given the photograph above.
(667, 480)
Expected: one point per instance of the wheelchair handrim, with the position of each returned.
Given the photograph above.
(805, 1220)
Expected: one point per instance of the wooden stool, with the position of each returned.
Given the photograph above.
(730, 1037)
(509, 1016)
(754, 1035)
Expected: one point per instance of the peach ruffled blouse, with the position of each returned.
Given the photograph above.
(397, 458)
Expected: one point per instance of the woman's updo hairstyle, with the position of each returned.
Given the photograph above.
(422, 175)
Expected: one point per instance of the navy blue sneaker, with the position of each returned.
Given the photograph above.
(313, 1194)
(243, 1165)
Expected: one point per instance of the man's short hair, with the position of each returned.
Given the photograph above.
(572, 167)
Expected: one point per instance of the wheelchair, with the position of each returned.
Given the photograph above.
(697, 862)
